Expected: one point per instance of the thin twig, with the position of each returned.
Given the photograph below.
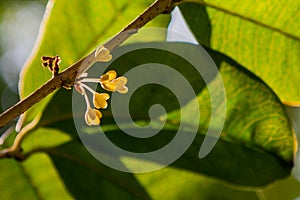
(7, 133)
(15, 150)
(67, 77)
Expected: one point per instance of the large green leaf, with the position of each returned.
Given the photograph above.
(262, 36)
(156, 185)
(254, 114)
(72, 31)
(256, 136)
(75, 164)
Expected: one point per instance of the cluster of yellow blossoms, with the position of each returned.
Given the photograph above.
(108, 81)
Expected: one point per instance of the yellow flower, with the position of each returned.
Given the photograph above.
(100, 100)
(92, 116)
(110, 83)
(120, 84)
(102, 54)
(109, 76)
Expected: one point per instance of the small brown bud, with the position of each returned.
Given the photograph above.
(52, 63)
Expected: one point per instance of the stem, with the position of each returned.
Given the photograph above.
(15, 150)
(90, 80)
(88, 88)
(6, 134)
(23, 105)
(67, 77)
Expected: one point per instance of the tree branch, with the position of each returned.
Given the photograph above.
(67, 77)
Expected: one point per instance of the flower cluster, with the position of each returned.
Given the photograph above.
(109, 82)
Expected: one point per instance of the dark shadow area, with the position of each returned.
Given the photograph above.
(87, 178)
(232, 162)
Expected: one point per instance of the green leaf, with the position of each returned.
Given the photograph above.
(232, 162)
(256, 137)
(188, 185)
(36, 178)
(254, 114)
(264, 37)
(44, 138)
(9, 170)
(75, 164)
(154, 185)
(283, 189)
(72, 31)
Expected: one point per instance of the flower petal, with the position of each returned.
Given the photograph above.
(117, 84)
(92, 116)
(120, 84)
(102, 54)
(109, 86)
(122, 90)
(110, 75)
(100, 100)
